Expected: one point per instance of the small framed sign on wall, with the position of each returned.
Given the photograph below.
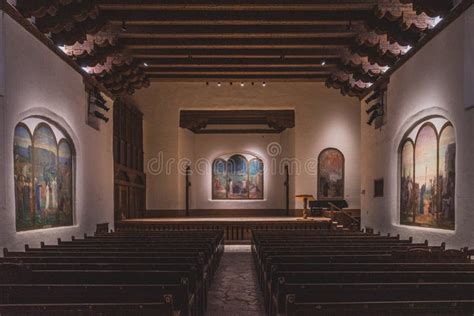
(378, 188)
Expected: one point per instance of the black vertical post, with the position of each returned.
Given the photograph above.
(287, 188)
(188, 184)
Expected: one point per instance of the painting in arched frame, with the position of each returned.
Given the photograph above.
(427, 191)
(330, 175)
(237, 177)
(44, 178)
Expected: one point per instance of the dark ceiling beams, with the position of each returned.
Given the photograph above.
(83, 33)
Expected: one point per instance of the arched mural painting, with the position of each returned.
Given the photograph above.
(427, 175)
(43, 174)
(239, 177)
(330, 175)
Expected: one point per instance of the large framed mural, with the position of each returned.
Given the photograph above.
(331, 175)
(237, 177)
(43, 175)
(427, 175)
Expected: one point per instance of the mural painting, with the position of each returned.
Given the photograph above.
(428, 177)
(238, 177)
(43, 174)
(330, 175)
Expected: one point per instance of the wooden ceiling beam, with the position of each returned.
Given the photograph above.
(235, 22)
(238, 62)
(235, 53)
(138, 35)
(262, 72)
(244, 29)
(250, 69)
(237, 78)
(235, 43)
(116, 5)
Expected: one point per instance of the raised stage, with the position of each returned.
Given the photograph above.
(237, 229)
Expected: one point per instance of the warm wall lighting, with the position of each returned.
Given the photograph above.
(218, 84)
(242, 84)
(264, 84)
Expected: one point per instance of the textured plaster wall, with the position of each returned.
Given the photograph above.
(37, 82)
(431, 83)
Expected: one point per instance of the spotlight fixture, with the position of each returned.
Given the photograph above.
(230, 83)
(374, 108)
(218, 84)
(242, 84)
(373, 97)
(124, 27)
(95, 98)
(207, 83)
(374, 115)
(101, 116)
(264, 84)
(145, 64)
(253, 83)
(323, 63)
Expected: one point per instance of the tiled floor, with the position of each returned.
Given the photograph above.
(235, 289)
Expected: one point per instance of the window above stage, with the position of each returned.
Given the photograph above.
(237, 177)
(427, 175)
(43, 174)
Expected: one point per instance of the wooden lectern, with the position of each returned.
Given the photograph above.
(305, 198)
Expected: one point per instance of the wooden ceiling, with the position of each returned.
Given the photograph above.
(348, 44)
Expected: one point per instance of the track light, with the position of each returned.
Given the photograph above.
(323, 63)
(124, 27)
(374, 108)
(242, 84)
(101, 116)
(373, 97)
(97, 99)
(145, 64)
(264, 84)
(218, 84)
(375, 115)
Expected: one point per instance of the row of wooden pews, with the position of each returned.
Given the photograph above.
(116, 273)
(336, 272)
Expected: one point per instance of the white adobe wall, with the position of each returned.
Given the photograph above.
(431, 83)
(324, 118)
(37, 82)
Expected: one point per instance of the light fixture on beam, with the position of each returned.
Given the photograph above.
(242, 84)
(323, 63)
(95, 98)
(218, 84)
(101, 116)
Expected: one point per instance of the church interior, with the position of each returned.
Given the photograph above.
(246, 157)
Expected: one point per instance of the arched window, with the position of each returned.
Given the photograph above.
(43, 171)
(237, 177)
(427, 175)
(330, 175)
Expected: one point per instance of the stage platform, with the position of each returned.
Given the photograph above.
(237, 229)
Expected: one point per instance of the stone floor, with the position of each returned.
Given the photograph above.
(235, 289)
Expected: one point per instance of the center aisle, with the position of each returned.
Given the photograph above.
(235, 289)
